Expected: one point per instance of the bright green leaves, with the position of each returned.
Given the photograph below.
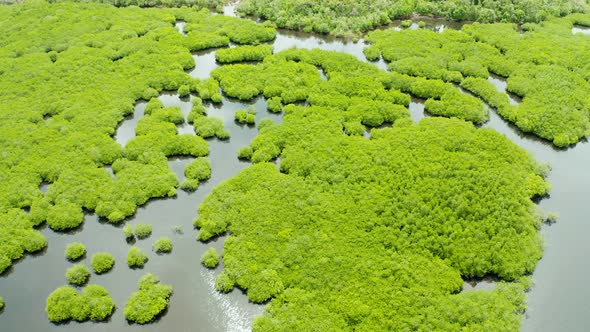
(65, 303)
(102, 262)
(162, 245)
(544, 66)
(151, 299)
(78, 274)
(243, 53)
(378, 233)
(75, 250)
(136, 258)
(196, 171)
(210, 258)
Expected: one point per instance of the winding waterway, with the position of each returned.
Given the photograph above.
(557, 302)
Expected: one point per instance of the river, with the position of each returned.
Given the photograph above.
(557, 302)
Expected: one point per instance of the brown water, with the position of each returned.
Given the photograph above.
(558, 301)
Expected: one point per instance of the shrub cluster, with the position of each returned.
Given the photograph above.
(75, 250)
(151, 299)
(143, 230)
(163, 245)
(102, 262)
(65, 303)
(196, 171)
(136, 258)
(78, 275)
(210, 258)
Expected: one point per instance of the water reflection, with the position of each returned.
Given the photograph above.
(204, 64)
(581, 29)
(487, 284)
(180, 26)
(126, 130)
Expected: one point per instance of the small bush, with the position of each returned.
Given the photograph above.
(75, 250)
(143, 230)
(184, 90)
(128, 231)
(189, 185)
(245, 152)
(224, 283)
(1, 303)
(151, 299)
(162, 245)
(65, 303)
(275, 105)
(199, 169)
(78, 274)
(245, 117)
(102, 262)
(136, 258)
(406, 23)
(210, 258)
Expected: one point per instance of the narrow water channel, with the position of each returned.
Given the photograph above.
(557, 302)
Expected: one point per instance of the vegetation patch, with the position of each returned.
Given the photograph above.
(196, 171)
(151, 299)
(544, 66)
(78, 274)
(136, 258)
(243, 53)
(65, 303)
(357, 234)
(246, 116)
(75, 250)
(143, 230)
(163, 245)
(210, 258)
(351, 16)
(66, 85)
(102, 262)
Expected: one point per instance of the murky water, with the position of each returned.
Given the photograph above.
(558, 301)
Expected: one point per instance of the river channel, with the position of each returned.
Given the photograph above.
(557, 302)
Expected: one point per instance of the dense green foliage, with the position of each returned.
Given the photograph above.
(163, 245)
(151, 299)
(78, 275)
(102, 262)
(546, 66)
(65, 303)
(17, 236)
(224, 283)
(136, 258)
(346, 16)
(128, 231)
(246, 116)
(373, 235)
(292, 76)
(75, 250)
(210, 258)
(70, 73)
(196, 171)
(245, 152)
(143, 230)
(243, 53)
(1, 303)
